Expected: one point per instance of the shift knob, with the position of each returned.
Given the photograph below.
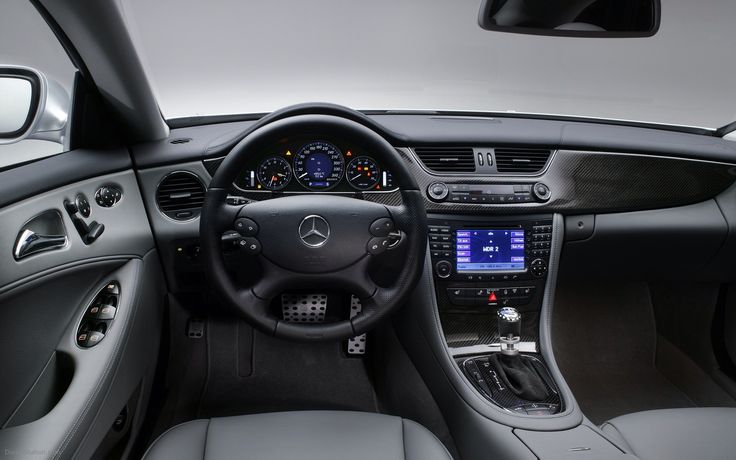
(509, 329)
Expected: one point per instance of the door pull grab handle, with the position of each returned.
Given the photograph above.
(30, 242)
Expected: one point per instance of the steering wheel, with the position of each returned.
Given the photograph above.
(313, 240)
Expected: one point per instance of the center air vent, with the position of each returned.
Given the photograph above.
(526, 161)
(447, 159)
(180, 195)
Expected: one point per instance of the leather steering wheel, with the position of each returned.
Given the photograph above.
(314, 240)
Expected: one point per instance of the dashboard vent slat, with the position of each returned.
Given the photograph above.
(524, 161)
(447, 159)
(180, 195)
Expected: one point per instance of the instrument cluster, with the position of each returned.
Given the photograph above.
(317, 166)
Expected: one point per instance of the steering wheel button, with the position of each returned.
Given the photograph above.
(382, 227)
(246, 227)
(251, 245)
(377, 245)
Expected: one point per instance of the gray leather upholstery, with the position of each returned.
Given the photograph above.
(312, 435)
(676, 434)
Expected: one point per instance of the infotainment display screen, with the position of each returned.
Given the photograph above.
(490, 250)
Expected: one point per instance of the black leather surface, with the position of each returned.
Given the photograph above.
(309, 435)
(676, 434)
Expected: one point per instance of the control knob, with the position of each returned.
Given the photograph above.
(541, 192)
(443, 269)
(438, 191)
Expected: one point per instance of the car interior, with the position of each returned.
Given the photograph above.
(332, 278)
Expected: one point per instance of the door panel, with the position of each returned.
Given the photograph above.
(60, 399)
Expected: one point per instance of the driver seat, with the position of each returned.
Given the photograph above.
(308, 435)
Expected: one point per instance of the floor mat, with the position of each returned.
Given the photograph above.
(605, 342)
(252, 373)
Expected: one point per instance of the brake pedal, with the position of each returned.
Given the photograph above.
(357, 344)
(304, 308)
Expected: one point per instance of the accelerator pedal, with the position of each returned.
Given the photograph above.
(356, 345)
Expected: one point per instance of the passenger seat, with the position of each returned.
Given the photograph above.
(676, 434)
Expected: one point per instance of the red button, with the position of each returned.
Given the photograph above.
(492, 297)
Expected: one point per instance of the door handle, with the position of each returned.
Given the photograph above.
(30, 242)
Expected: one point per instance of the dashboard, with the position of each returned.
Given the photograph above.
(314, 165)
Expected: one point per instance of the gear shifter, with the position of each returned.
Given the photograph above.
(516, 371)
(509, 330)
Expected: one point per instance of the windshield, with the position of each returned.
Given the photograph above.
(234, 57)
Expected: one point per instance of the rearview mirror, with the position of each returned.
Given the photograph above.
(31, 106)
(572, 18)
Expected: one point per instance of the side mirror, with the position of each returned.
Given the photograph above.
(31, 106)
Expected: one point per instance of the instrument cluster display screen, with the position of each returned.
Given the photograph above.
(490, 250)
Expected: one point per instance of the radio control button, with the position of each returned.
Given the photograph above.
(443, 269)
(539, 268)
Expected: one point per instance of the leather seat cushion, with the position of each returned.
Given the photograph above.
(677, 434)
(309, 435)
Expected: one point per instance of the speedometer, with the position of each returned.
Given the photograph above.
(319, 165)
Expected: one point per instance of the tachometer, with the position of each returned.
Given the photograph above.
(319, 165)
(363, 173)
(274, 173)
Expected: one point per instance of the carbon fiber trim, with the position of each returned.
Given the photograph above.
(469, 329)
(596, 182)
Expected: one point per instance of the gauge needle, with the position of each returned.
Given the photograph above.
(273, 178)
(356, 177)
(303, 175)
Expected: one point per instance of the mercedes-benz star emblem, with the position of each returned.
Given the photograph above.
(314, 231)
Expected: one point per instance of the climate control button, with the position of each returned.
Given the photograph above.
(438, 191)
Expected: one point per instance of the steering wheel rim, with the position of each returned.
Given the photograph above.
(333, 263)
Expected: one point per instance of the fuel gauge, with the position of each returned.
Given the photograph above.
(363, 173)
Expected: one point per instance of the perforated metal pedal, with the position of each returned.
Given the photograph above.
(304, 308)
(356, 345)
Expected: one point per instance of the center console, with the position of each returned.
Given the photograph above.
(490, 275)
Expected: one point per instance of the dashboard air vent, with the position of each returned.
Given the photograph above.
(526, 161)
(447, 159)
(180, 195)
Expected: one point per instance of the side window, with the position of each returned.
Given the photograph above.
(36, 83)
